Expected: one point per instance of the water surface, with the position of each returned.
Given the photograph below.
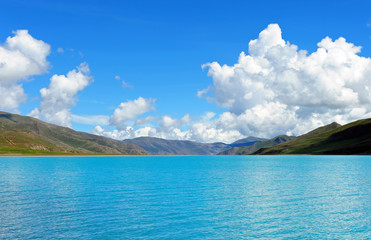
(209, 197)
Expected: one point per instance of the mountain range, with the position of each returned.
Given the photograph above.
(159, 146)
(352, 138)
(245, 150)
(27, 135)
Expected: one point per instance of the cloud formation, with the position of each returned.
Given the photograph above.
(168, 127)
(167, 122)
(59, 97)
(130, 110)
(273, 89)
(277, 88)
(21, 56)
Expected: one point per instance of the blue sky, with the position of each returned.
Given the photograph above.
(158, 47)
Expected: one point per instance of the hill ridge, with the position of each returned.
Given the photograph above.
(256, 146)
(25, 134)
(161, 146)
(351, 138)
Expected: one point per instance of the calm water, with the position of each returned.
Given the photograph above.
(213, 197)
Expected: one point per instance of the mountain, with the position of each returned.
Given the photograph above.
(159, 146)
(276, 141)
(352, 138)
(319, 130)
(256, 146)
(27, 135)
(247, 141)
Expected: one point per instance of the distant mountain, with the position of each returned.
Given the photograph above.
(352, 138)
(159, 146)
(27, 135)
(247, 141)
(256, 146)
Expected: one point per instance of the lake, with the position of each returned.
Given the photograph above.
(205, 197)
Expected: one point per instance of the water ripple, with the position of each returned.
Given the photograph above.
(218, 197)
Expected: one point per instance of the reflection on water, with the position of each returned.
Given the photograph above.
(213, 197)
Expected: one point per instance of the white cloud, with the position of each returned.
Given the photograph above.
(125, 133)
(206, 132)
(126, 85)
(143, 121)
(208, 116)
(130, 110)
(267, 120)
(277, 88)
(11, 96)
(115, 134)
(59, 97)
(274, 89)
(21, 56)
(202, 93)
(170, 128)
(167, 122)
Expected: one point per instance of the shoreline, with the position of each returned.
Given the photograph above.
(108, 155)
(96, 155)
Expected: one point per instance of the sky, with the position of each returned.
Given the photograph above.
(207, 71)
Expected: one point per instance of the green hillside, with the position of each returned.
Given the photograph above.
(159, 146)
(256, 146)
(247, 141)
(352, 138)
(27, 135)
(319, 130)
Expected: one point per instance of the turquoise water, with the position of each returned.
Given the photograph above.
(211, 197)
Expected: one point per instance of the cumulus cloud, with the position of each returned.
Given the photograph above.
(11, 96)
(59, 97)
(206, 129)
(115, 134)
(273, 89)
(125, 133)
(130, 110)
(167, 122)
(168, 127)
(265, 120)
(21, 56)
(207, 132)
(277, 88)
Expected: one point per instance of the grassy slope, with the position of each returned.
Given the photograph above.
(160, 146)
(26, 135)
(247, 141)
(257, 146)
(352, 138)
